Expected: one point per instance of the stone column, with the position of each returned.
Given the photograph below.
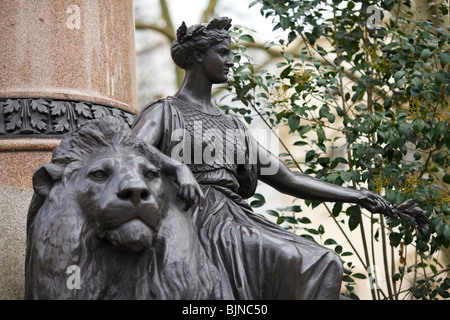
(62, 63)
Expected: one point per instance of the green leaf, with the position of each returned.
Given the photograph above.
(398, 75)
(395, 238)
(444, 59)
(355, 217)
(391, 195)
(346, 176)
(253, 3)
(446, 178)
(321, 229)
(346, 254)
(310, 155)
(418, 82)
(259, 202)
(340, 160)
(440, 128)
(418, 125)
(426, 53)
(259, 196)
(321, 135)
(286, 72)
(291, 220)
(323, 111)
(346, 278)
(312, 231)
(248, 38)
(406, 45)
(337, 208)
(256, 204)
(322, 82)
(353, 223)
(295, 208)
(304, 220)
(331, 117)
(273, 213)
(390, 46)
(300, 143)
(293, 122)
(316, 63)
(289, 56)
(446, 232)
(439, 77)
(285, 22)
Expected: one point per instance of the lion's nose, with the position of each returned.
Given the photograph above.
(134, 192)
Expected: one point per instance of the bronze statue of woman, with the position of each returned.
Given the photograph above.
(256, 258)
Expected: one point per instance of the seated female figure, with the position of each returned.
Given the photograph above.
(256, 259)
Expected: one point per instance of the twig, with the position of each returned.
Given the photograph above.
(386, 267)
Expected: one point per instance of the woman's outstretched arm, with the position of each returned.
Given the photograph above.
(308, 188)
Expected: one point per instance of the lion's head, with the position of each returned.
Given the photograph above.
(121, 192)
(103, 204)
(114, 178)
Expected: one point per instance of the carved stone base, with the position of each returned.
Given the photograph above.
(50, 118)
(30, 128)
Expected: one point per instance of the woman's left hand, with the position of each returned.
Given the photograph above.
(409, 211)
(374, 202)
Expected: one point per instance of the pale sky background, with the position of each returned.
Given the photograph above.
(155, 66)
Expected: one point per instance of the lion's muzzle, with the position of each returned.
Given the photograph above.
(134, 235)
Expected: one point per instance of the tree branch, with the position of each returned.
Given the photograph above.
(166, 16)
(151, 26)
(209, 11)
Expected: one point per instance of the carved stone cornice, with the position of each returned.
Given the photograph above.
(50, 118)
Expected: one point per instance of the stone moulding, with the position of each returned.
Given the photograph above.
(50, 118)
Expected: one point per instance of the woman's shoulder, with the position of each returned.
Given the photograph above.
(157, 108)
(156, 104)
(152, 111)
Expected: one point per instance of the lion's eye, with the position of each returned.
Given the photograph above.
(150, 174)
(99, 175)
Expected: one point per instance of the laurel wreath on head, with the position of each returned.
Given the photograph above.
(215, 24)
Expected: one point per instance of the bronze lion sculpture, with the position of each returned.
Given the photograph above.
(103, 207)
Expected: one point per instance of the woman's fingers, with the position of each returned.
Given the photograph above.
(200, 194)
(376, 203)
(191, 193)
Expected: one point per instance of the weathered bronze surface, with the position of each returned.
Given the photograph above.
(120, 206)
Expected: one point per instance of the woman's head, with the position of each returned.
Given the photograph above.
(198, 39)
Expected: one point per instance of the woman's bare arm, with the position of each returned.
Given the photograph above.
(308, 188)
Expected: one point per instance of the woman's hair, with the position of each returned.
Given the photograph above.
(198, 38)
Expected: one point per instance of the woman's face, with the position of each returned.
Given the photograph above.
(217, 61)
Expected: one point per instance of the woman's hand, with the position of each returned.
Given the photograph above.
(409, 211)
(374, 203)
(188, 188)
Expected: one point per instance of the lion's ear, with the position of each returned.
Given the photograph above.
(44, 178)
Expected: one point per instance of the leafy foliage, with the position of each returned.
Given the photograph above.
(366, 98)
